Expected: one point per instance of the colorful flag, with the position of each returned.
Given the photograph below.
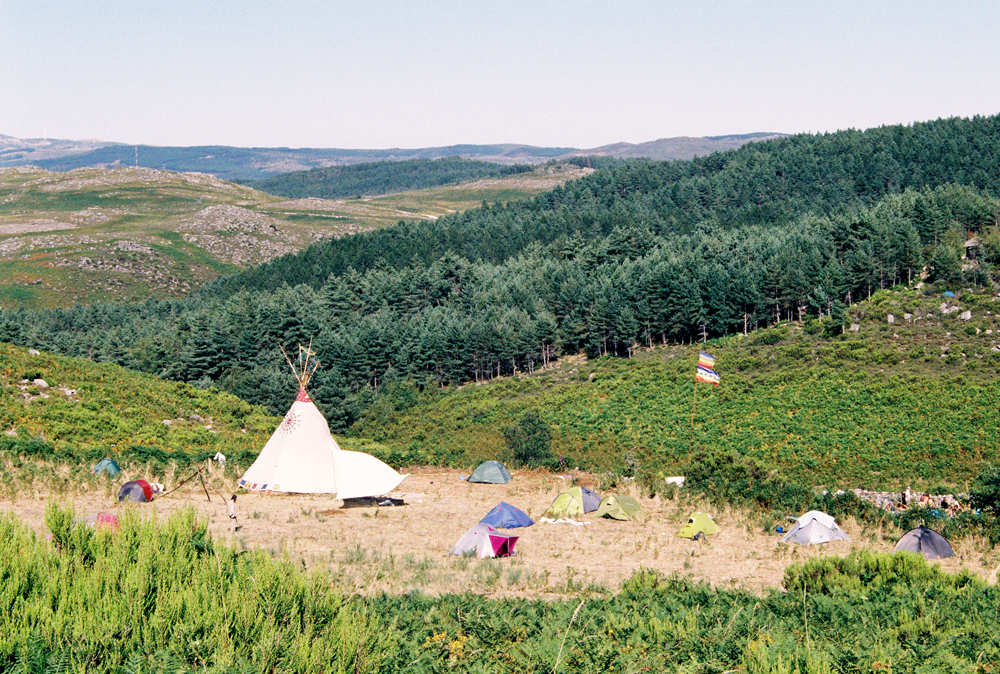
(705, 360)
(707, 375)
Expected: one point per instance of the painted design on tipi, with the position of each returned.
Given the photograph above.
(290, 421)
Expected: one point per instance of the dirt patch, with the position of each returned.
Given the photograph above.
(405, 548)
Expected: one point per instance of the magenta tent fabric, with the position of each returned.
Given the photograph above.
(485, 541)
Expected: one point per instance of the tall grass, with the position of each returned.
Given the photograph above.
(161, 595)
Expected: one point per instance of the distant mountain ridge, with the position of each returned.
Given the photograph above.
(234, 163)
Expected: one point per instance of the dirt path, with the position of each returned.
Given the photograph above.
(400, 549)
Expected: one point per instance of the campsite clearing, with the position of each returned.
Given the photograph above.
(404, 548)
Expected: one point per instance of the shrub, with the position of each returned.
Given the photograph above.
(985, 492)
(530, 441)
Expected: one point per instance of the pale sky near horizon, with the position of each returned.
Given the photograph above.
(257, 73)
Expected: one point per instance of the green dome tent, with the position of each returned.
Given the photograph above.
(107, 465)
(574, 502)
(619, 507)
(491, 472)
(699, 524)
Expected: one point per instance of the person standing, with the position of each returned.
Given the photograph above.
(232, 513)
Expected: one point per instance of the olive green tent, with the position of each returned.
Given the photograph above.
(697, 525)
(618, 507)
(491, 472)
(574, 502)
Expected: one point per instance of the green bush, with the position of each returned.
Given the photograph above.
(530, 441)
(985, 492)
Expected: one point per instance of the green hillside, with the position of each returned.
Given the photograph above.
(911, 403)
(90, 410)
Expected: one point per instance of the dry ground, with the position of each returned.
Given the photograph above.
(404, 548)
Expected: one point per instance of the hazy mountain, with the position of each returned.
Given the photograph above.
(234, 163)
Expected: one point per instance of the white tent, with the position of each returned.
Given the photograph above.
(303, 457)
(813, 528)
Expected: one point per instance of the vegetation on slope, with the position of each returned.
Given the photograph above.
(886, 405)
(90, 410)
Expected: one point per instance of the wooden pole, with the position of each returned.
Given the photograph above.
(694, 404)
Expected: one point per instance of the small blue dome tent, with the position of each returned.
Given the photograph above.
(506, 516)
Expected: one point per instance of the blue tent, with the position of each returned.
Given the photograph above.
(506, 516)
(107, 465)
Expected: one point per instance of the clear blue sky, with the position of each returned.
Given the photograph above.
(541, 72)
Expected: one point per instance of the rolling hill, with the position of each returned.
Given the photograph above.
(232, 163)
(100, 235)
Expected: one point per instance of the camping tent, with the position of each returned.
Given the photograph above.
(575, 501)
(491, 472)
(506, 516)
(104, 521)
(619, 507)
(927, 542)
(485, 541)
(107, 465)
(813, 528)
(303, 457)
(139, 491)
(699, 523)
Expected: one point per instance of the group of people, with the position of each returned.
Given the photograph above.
(948, 503)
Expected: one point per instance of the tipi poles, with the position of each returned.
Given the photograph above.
(694, 404)
(307, 364)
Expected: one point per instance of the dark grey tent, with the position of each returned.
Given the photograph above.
(136, 490)
(927, 542)
(491, 472)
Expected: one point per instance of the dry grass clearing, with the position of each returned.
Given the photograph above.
(405, 548)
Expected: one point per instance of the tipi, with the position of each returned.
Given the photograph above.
(303, 457)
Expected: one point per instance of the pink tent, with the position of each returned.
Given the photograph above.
(485, 541)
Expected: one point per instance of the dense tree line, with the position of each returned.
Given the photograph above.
(381, 177)
(764, 184)
(602, 265)
(456, 320)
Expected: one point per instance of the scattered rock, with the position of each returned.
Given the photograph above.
(195, 417)
(34, 352)
(855, 327)
(891, 319)
(40, 383)
(965, 316)
(908, 317)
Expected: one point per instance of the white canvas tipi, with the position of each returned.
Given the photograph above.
(303, 457)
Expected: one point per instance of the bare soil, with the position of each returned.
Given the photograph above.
(406, 548)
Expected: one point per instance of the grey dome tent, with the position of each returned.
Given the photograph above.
(491, 472)
(813, 528)
(926, 542)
